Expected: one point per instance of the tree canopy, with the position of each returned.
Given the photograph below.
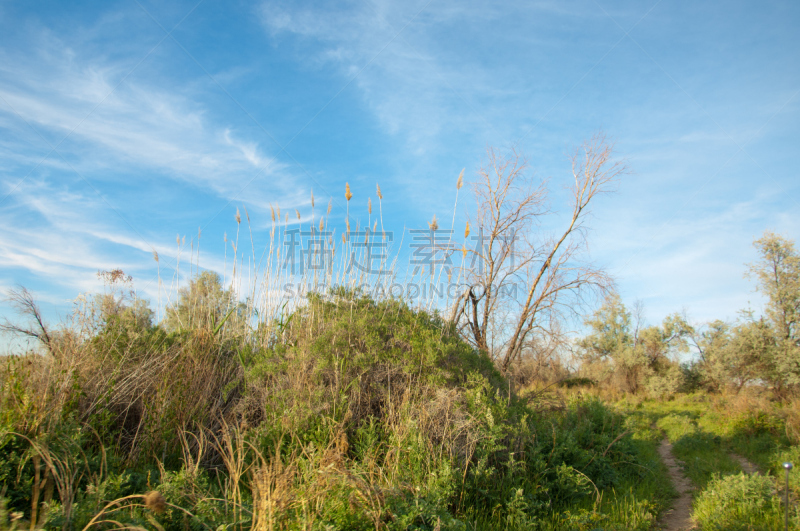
(203, 304)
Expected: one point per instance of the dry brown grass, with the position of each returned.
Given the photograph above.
(187, 392)
(791, 411)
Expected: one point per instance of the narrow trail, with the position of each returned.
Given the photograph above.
(679, 518)
(748, 467)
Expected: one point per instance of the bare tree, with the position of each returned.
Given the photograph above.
(22, 301)
(521, 279)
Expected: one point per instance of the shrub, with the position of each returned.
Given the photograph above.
(666, 383)
(570, 383)
(789, 455)
(740, 502)
(349, 412)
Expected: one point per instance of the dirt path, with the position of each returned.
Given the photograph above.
(679, 518)
(747, 466)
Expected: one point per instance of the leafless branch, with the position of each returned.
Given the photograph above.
(511, 250)
(23, 302)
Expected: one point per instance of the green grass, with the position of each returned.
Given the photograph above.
(741, 503)
(633, 504)
(352, 414)
(703, 436)
(703, 454)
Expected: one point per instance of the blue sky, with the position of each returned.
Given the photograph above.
(124, 124)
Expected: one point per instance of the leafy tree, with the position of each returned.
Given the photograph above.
(712, 344)
(611, 326)
(128, 312)
(750, 354)
(764, 349)
(778, 276)
(659, 346)
(657, 342)
(609, 348)
(735, 356)
(205, 304)
(117, 321)
(631, 356)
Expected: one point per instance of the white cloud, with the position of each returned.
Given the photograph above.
(408, 81)
(460, 75)
(121, 122)
(57, 237)
(695, 260)
(64, 242)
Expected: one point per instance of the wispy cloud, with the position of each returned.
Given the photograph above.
(65, 241)
(405, 94)
(697, 261)
(67, 216)
(415, 88)
(115, 123)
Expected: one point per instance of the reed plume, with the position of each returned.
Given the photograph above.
(380, 208)
(158, 269)
(154, 501)
(347, 194)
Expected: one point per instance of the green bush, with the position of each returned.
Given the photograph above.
(752, 423)
(677, 426)
(16, 474)
(740, 502)
(571, 383)
(788, 455)
(349, 413)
